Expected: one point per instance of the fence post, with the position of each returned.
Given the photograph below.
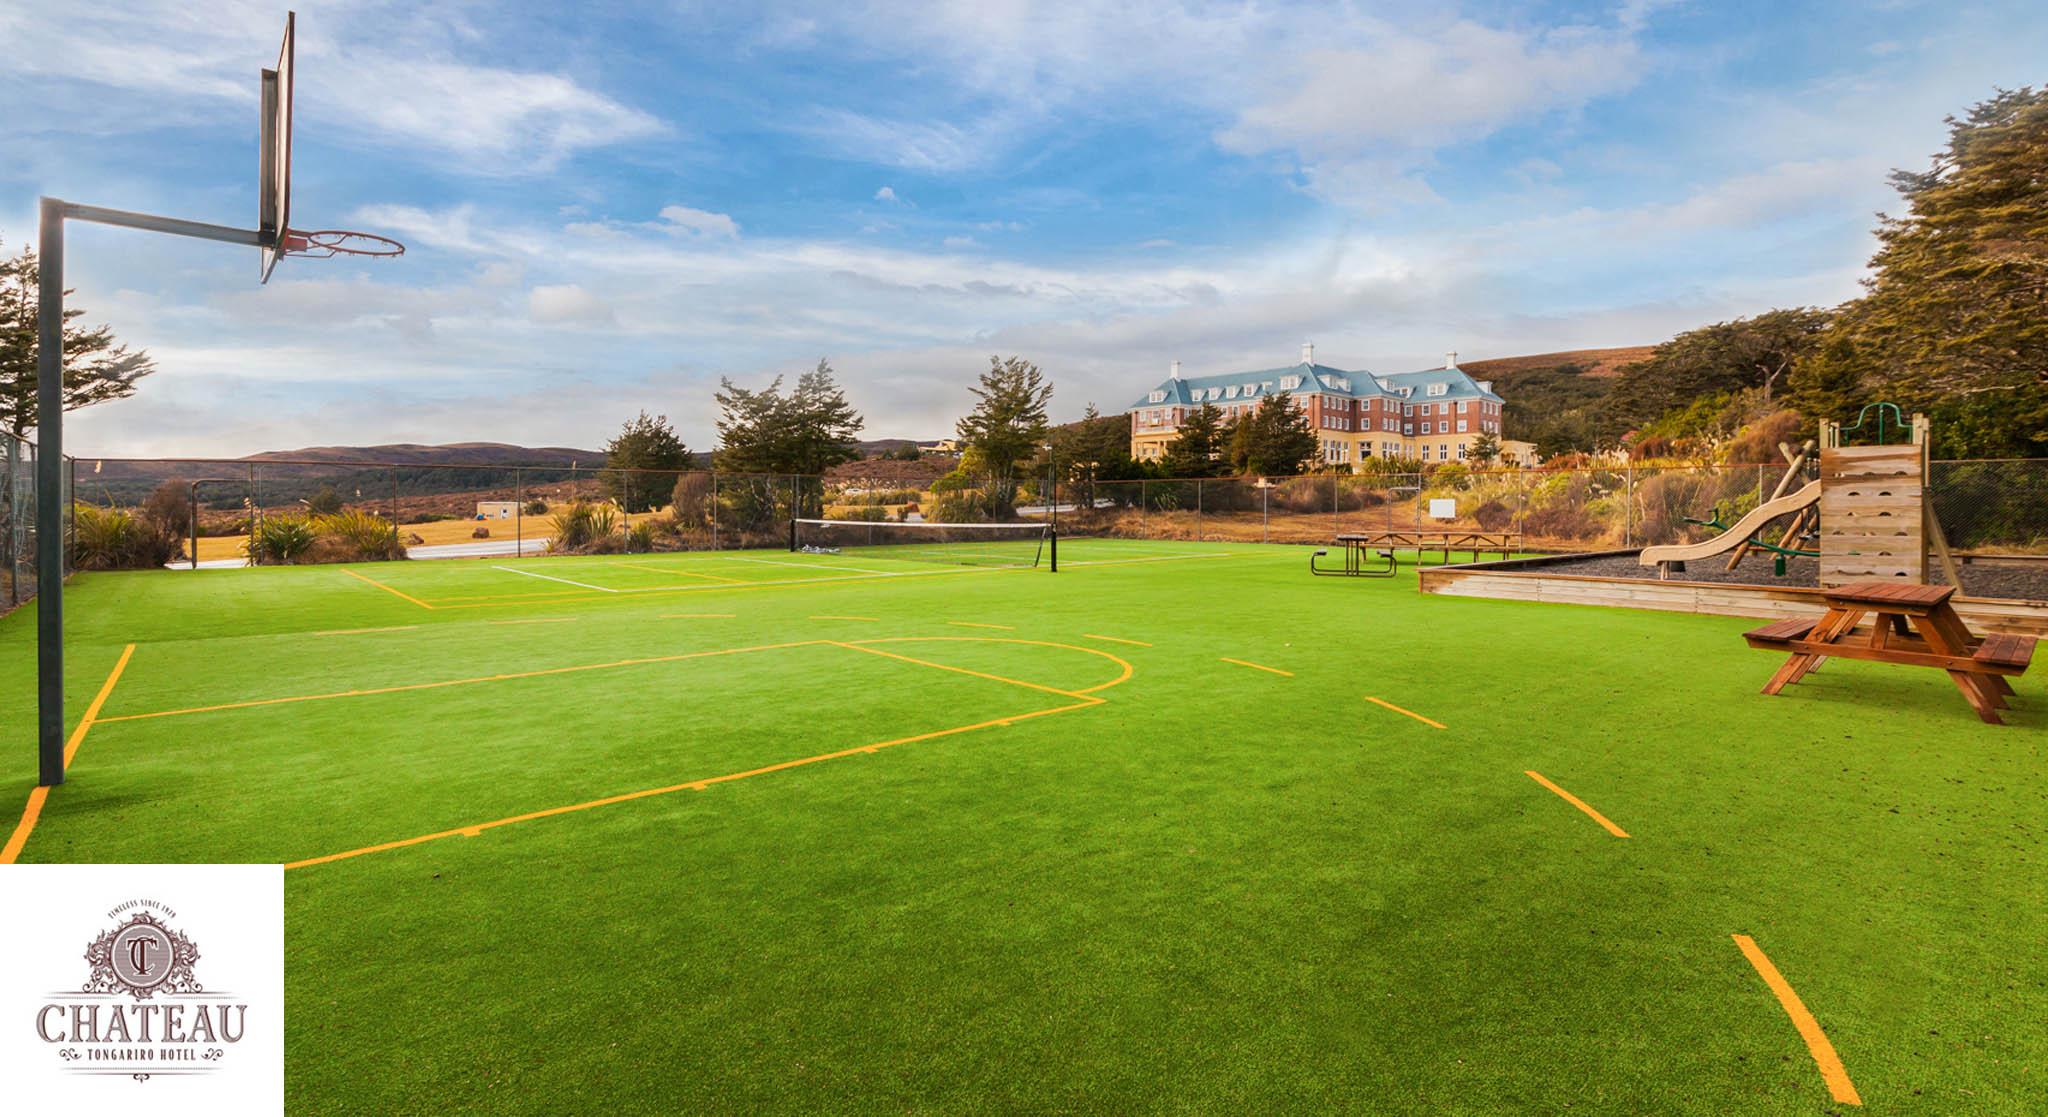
(518, 513)
(714, 509)
(1198, 509)
(1628, 506)
(1265, 511)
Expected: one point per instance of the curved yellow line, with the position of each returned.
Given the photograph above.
(1120, 661)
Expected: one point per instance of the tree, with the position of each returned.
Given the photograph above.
(644, 443)
(96, 368)
(1198, 447)
(1006, 428)
(1484, 448)
(1274, 439)
(1743, 355)
(807, 430)
(1097, 447)
(1954, 317)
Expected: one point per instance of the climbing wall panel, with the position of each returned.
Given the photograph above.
(1872, 527)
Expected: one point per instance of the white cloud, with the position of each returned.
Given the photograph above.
(567, 303)
(957, 241)
(511, 120)
(1360, 119)
(403, 83)
(886, 194)
(701, 223)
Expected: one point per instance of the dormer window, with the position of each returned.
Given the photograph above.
(1230, 392)
(1439, 389)
(1289, 383)
(1158, 397)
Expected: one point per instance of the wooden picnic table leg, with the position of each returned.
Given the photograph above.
(1801, 664)
(1946, 634)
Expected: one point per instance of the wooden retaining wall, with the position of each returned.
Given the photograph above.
(1529, 580)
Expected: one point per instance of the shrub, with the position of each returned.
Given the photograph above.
(364, 536)
(690, 501)
(281, 540)
(586, 528)
(325, 502)
(572, 527)
(112, 539)
(641, 537)
(170, 506)
(536, 507)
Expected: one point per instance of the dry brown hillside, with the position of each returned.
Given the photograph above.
(1596, 362)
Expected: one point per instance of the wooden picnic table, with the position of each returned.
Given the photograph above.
(1446, 540)
(1978, 665)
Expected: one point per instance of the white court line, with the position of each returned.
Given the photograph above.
(1154, 558)
(807, 565)
(552, 578)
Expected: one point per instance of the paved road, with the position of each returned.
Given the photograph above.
(482, 548)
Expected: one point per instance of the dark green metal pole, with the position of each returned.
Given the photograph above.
(50, 498)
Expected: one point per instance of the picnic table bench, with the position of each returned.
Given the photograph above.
(1361, 548)
(1979, 666)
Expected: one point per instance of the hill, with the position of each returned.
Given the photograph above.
(1601, 363)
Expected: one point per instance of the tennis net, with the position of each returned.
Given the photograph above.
(1013, 544)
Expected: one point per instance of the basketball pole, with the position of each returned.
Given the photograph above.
(50, 450)
(49, 497)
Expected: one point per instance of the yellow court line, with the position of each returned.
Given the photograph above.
(777, 583)
(697, 616)
(29, 813)
(386, 589)
(460, 682)
(34, 807)
(537, 620)
(1086, 701)
(694, 785)
(1399, 710)
(1120, 661)
(365, 631)
(1259, 666)
(973, 624)
(1116, 640)
(682, 573)
(1830, 1064)
(971, 671)
(837, 617)
(1575, 801)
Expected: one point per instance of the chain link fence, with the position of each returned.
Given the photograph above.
(18, 489)
(455, 509)
(1602, 508)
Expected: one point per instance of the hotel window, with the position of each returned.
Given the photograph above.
(1461, 429)
(1461, 407)
(1461, 451)
(1159, 397)
(1439, 389)
(1443, 452)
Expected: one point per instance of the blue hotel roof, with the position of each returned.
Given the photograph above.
(1314, 378)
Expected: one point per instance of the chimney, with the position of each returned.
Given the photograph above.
(1308, 352)
(1175, 368)
(1451, 359)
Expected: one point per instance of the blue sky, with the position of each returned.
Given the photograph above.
(609, 205)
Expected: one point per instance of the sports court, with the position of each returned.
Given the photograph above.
(756, 828)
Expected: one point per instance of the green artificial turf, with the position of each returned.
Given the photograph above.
(1205, 888)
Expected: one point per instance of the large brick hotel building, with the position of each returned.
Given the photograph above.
(1433, 415)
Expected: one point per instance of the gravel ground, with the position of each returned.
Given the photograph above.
(2022, 579)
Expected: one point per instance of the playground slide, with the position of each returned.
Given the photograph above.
(1732, 538)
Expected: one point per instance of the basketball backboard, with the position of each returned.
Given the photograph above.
(274, 170)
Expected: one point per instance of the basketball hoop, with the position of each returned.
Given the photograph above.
(322, 243)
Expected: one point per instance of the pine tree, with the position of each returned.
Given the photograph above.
(1274, 440)
(1954, 319)
(96, 368)
(645, 443)
(1197, 448)
(1006, 428)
